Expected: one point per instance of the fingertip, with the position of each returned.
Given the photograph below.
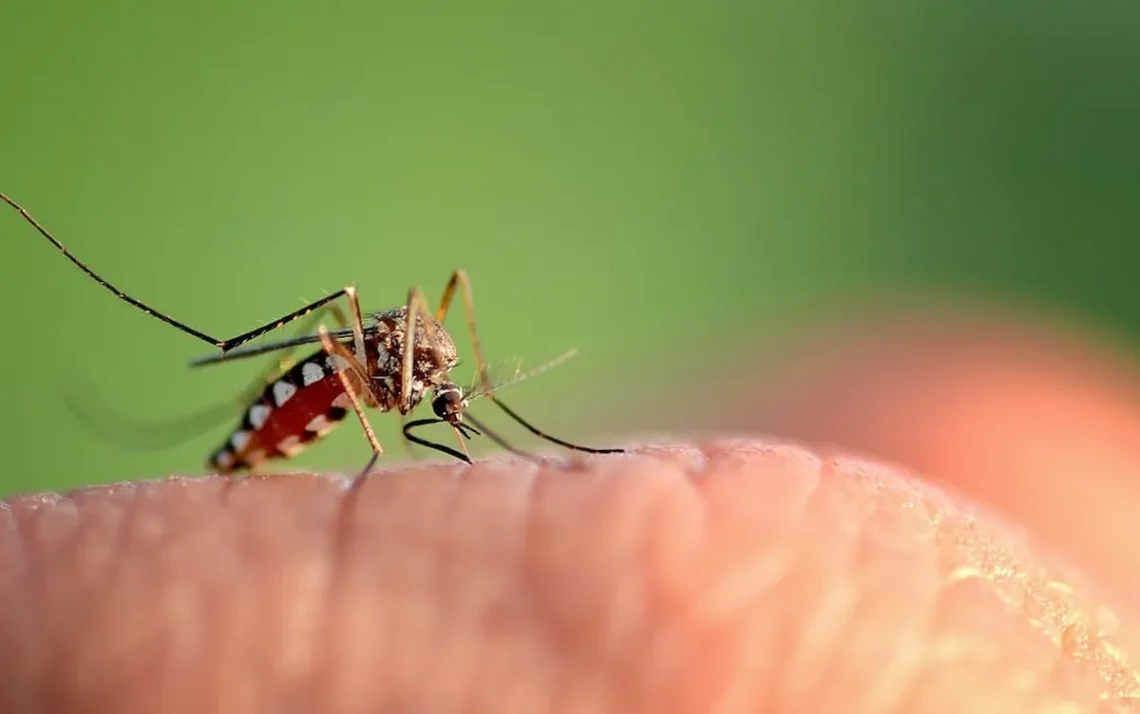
(677, 577)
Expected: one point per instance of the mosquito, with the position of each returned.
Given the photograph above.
(387, 361)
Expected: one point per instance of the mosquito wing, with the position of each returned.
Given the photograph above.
(129, 432)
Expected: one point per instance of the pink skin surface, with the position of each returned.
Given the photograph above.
(725, 575)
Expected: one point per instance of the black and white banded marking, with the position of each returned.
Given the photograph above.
(232, 456)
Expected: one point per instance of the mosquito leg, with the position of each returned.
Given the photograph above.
(224, 345)
(100, 418)
(230, 348)
(417, 305)
(367, 468)
(227, 345)
(332, 347)
(460, 281)
(357, 324)
(181, 326)
(310, 325)
(133, 434)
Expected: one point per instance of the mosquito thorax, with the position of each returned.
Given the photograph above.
(435, 356)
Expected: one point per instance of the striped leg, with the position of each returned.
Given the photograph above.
(459, 280)
(416, 305)
(363, 379)
(225, 345)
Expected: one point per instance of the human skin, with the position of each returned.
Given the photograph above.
(726, 575)
(1037, 421)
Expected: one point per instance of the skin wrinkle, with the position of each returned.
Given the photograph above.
(583, 533)
(812, 664)
(720, 610)
(348, 608)
(675, 529)
(899, 680)
(863, 555)
(108, 526)
(487, 597)
(37, 529)
(893, 548)
(559, 526)
(401, 674)
(330, 651)
(91, 661)
(734, 586)
(522, 651)
(556, 687)
(670, 518)
(471, 600)
(294, 649)
(516, 603)
(230, 587)
(448, 556)
(654, 658)
(329, 655)
(31, 667)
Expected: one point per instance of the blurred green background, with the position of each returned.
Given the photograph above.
(656, 184)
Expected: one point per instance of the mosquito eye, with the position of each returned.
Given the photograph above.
(448, 402)
(439, 405)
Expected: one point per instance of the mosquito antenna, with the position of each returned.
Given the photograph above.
(537, 432)
(99, 279)
(431, 444)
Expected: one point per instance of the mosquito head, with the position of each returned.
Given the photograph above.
(449, 403)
